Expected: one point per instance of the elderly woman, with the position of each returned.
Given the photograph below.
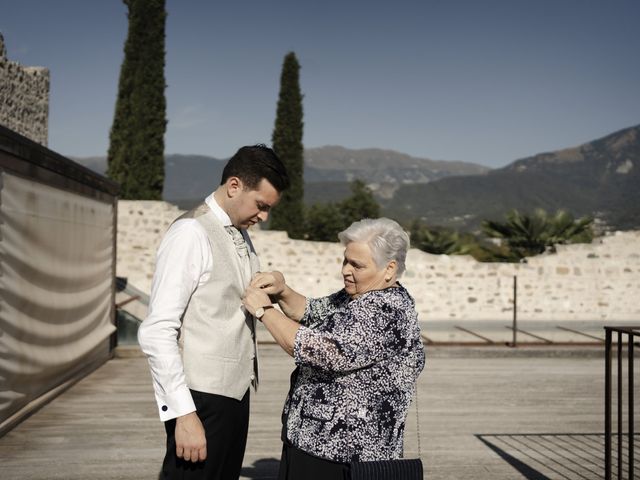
(358, 355)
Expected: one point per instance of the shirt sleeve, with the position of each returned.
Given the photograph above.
(372, 333)
(183, 262)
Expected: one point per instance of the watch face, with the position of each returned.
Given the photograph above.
(260, 312)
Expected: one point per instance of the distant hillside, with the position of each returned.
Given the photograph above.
(188, 178)
(324, 192)
(600, 178)
(373, 165)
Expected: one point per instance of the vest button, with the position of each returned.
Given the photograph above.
(252, 377)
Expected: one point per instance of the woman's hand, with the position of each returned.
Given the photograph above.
(271, 283)
(255, 298)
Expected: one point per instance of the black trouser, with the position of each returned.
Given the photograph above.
(226, 422)
(296, 464)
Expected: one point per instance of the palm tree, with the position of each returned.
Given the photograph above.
(532, 234)
(439, 241)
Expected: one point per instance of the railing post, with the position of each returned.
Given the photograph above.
(514, 341)
(607, 406)
(619, 412)
(622, 450)
(630, 405)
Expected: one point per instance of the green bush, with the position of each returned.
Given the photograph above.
(323, 221)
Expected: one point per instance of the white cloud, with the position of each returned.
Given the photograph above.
(189, 116)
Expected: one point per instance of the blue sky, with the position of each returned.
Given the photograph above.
(481, 81)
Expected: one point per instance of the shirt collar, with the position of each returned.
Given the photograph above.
(218, 211)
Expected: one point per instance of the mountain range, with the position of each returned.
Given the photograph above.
(188, 178)
(599, 178)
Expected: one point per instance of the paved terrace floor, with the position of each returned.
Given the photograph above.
(485, 413)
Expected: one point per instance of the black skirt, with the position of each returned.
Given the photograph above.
(296, 464)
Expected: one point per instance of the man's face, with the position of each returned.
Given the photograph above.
(248, 207)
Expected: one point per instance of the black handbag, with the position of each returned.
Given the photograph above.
(403, 469)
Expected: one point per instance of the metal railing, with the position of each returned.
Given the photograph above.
(624, 441)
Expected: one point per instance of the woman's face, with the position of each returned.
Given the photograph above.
(360, 272)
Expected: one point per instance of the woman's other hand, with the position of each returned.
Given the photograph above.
(255, 298)
(271, 283)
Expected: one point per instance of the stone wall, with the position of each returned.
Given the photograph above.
(599, 281)
(24, 98)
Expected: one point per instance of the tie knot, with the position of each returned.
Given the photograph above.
(238, 240)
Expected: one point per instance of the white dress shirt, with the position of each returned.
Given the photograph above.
(183, 263)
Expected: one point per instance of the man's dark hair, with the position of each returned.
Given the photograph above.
(253, 163)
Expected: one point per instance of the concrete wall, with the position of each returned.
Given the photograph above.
(24, 98)
(600, 281)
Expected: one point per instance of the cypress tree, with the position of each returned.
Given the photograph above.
(287, 143)
(136, 149)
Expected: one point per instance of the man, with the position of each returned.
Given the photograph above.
(199, 340)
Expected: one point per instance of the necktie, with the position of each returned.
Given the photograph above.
(243, 252)
(238, 240)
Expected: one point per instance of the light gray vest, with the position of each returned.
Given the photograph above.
(217, 337)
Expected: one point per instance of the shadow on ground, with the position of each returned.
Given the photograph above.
(546, 456)
(263, 469)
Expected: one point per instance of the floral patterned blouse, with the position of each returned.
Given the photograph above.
(358, 361)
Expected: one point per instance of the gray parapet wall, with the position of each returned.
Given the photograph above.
(24, 98)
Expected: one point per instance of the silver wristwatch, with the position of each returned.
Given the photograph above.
(260, 311)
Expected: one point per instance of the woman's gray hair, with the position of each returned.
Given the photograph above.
(386, 239)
